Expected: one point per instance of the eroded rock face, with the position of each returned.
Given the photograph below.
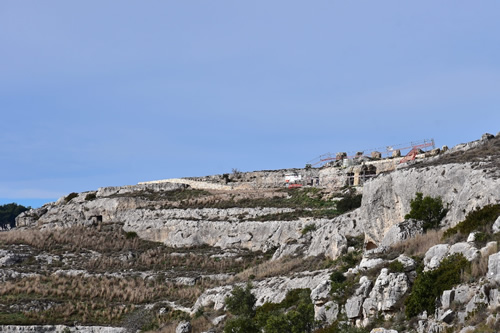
(386, 199)
(327, 312)
(183, 327)
(437, 253)
(496, 225)
(494, 267)
(272, 290)
(330, 239)
(402, 231)
(232, 228)
(354, 304)
(387, 291)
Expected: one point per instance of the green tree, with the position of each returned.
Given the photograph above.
(427, 209)
(8, 213)
(277, 323)
(241, 324)
(295, 314)
(241, 302)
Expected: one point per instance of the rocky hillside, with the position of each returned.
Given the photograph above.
(241, 253)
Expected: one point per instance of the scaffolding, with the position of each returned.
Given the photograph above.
(408, 150)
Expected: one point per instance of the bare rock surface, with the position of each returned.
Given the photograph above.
(402, 231)
(183, 327)
(494, 267)
(386, 292)
(354, 304)
(386, 199)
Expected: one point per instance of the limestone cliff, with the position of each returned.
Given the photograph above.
(464, 186)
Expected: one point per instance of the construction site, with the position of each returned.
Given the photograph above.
(330, 170)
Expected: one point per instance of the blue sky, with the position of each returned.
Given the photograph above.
(102, 93)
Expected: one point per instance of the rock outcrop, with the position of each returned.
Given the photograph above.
(272, 290)
(386, 199)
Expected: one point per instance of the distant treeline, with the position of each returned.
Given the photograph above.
(8, 214)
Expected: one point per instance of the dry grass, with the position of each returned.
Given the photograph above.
(270, 268)
(169, 328)
(489, 151)
(107, 289)
(111, 242)
(90, 300)
(479, 268)
(418, 246)
(75, 239)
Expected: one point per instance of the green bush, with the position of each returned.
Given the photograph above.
(337, 279)
(130, 235)
(348, 203)
(396, 267)
(309, 228)
(90, 196)
(427, 209)
(431, 284)
(8, 214)
(480, 219)
(241, 324)
(349, 260)
(70, 196)
(241, 302)
(294, 314)
(299, 320)
(294, 297)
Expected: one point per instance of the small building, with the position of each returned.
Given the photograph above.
(293, 178)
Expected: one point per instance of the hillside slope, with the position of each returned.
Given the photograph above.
(161, 256)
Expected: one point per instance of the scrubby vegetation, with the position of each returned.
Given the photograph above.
(479, 220)
(8, 213)
(309, 228)
(90, 300)
(70, 196)
(298, 198)
(282, 266)
(427, 209)
(294, 314)
(107, 294)
(396, 266)
(418, 245)
(348, 203)
(431, 284)
(112, 244)
(488, 154)
(91, 196)
(298, 213)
